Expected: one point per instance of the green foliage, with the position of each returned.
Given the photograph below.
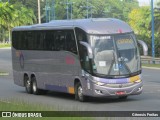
(4, 45)
(140, 20)
(100, 8)
(157, 19)
(13, 15)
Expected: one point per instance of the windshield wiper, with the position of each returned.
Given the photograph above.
(113, 61)
(122, 60)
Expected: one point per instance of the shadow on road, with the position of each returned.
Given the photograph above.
(65, 96)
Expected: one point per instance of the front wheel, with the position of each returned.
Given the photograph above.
(79, 93)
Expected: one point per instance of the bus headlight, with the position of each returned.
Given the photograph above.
(99, 83)
(137, 81)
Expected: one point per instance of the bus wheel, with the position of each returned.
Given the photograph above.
(123, 97)
(36, 90)
(28, 84)
(79, 92)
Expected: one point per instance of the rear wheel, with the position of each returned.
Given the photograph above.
(28, 84)
(79, 92)
(36, 90)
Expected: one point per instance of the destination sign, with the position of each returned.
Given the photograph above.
(124, 41)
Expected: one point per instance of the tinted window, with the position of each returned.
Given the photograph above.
(70, 42)
(52, 40)
(81, 35)
(60, 40)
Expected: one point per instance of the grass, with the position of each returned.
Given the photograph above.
(151, 65)
(3, 45)
(3, 73)
(23, 106)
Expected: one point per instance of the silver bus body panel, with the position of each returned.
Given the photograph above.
(49, 67)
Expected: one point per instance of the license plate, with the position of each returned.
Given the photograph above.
(120, 93)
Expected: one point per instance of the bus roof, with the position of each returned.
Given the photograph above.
(91, 26)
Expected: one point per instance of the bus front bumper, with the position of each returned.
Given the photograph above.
(103, 91)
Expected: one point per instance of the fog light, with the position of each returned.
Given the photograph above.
(98, 91)
(139, 89)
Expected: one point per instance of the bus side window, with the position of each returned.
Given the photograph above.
(15, 39)
(22, 41)
(59, 40)
(81, 35)
(56, 38)
(29, 40)
(70, 42)
(62, 42)
(50, 40)
(84, 58)
(42, 36)
(36, 41)
(25, 41)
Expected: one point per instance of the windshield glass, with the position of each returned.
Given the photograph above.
(115, 55)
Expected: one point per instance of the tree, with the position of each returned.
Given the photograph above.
(6, 17)
(140, 21)
(23, 16)
(157, 17)
(30, 4)
(11, 16)
(100, 8)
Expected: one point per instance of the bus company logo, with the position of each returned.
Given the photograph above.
(69, 60)
(6, 114)
(19, 54)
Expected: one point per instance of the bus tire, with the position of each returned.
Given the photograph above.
(79, 93)
(28, 84)
(35, 89)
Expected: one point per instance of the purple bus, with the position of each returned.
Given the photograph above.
(96, 57)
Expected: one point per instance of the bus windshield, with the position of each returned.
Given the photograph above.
(115, 55)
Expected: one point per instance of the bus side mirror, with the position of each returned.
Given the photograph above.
(144, 46)
(89, 49)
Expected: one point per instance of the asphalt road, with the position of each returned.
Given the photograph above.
(149, 100)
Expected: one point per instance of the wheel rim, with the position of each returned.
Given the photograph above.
(80, 92)
(28, 84)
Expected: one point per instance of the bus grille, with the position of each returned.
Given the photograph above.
(119, 85)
